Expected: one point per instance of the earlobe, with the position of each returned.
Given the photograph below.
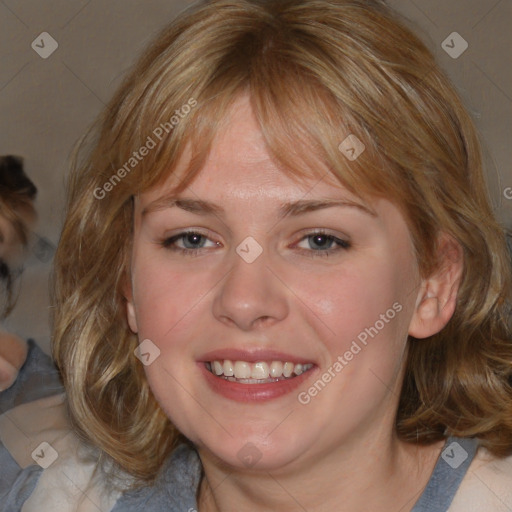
(437, 297)
(130, 308)
(132, 318)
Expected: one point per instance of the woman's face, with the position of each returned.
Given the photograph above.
(277, 271)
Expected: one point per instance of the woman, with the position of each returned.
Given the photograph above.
(280, 284)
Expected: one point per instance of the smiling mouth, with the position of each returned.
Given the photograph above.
(261, 372)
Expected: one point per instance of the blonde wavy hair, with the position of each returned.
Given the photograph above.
(315, 71)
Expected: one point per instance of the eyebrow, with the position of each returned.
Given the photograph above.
(300, 207)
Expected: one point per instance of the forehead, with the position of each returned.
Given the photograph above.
(239, 165)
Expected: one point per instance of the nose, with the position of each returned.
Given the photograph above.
(251, 295)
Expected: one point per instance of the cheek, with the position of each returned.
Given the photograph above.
(361, 318)
(165, 298)
(172, 303)
(348, 301)
(169, 307)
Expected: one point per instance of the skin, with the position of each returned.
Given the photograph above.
(343, 442)
(13, 352)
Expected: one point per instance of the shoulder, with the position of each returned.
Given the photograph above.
(175, 488)
(48, 467)
(37, 378)
(486, 486)
(43, 464)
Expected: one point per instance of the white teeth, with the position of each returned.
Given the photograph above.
(228, 368)
(242, 370)
(256, 372)
(217, 368)
(259, 371)
(276, 369)
(288, 369)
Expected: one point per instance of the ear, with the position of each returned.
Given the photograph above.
(130, 307)
(437, 297)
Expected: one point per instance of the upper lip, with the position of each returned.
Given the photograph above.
(251, 356)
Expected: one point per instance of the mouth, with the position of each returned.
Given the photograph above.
(257, 380)
(260, 372)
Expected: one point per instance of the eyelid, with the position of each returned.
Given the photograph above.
(324, 231)
(180, 233)
(185, 231)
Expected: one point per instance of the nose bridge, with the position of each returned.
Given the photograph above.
(250, 293)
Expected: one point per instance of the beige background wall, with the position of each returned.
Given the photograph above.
(46, 104)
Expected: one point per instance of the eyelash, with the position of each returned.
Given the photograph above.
(169, 244)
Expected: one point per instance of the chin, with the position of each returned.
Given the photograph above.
(254, 452)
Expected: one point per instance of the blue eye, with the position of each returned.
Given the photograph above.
(320, 244)
(191, 242)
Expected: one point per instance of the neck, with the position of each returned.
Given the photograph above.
(371, 475)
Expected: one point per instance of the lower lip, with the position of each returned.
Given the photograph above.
(253, 392)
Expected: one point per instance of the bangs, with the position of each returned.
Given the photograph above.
(308, 130)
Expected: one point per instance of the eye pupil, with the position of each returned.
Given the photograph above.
(321, 241)
(193, 239)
